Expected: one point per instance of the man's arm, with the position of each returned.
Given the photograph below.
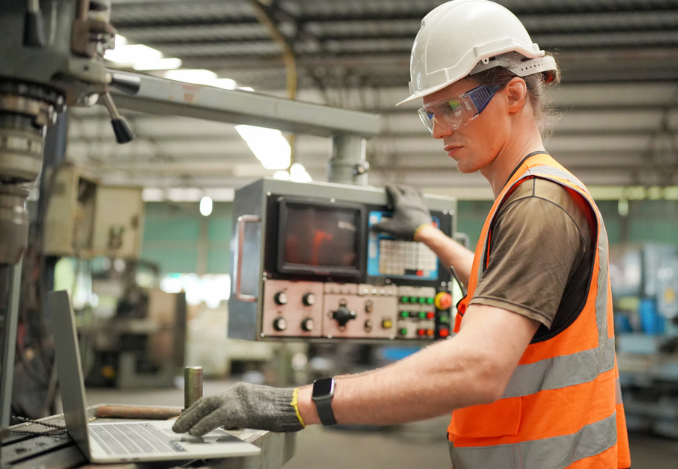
(448, 251)
(472, 368)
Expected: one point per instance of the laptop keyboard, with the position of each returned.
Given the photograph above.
(133, 438)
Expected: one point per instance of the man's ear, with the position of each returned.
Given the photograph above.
(516, 94)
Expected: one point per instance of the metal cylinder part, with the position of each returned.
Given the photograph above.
(192, 385)
(348, 152)
(25, 111)
(13, 223)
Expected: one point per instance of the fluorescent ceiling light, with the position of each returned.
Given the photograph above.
(158, 64)
(195, 76)
(206, 206)
(282, 175)
(298, 173)
(225, 83)
(201, 77)
(268, 145)
(132, 54)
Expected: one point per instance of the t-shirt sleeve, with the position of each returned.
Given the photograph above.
(535, 247)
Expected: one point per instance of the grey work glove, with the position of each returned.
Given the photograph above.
(409, 213)
(243, 405)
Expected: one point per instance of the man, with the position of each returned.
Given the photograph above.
(530, 377)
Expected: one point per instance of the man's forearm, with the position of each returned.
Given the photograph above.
(419, 387)
(448, 251)
(473, 368)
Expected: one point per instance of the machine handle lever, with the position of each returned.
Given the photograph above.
(240, 241)
(123, 132)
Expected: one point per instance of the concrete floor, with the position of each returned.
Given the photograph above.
(409, 446)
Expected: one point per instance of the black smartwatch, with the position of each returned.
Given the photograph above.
(323, 392)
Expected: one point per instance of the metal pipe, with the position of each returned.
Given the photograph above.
(348, 163)
(192, 385)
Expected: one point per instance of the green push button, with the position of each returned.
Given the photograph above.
(404, 314)
(402, 331)
(422, 315)
(422, 300)
(404, 299)
(444, 319)
(429, 301)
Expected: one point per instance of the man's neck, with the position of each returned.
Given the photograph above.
(509, 157)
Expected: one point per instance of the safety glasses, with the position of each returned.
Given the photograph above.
(452, 113)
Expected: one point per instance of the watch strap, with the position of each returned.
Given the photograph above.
(324, 408)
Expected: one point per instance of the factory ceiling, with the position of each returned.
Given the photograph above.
(618, 98)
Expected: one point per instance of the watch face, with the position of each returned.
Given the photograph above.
(323, 387)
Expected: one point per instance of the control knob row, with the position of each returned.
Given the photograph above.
(280, 324)
(281, 298)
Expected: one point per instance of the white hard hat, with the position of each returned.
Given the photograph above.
(460, 37)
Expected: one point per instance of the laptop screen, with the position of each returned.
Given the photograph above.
(69, 368)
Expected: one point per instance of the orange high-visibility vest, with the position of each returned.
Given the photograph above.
(562, 407)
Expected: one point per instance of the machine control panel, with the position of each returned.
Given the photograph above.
(308, 264)
(356, 311)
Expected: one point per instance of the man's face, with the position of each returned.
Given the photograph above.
(476, 144)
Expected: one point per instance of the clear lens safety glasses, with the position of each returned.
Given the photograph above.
(452, 113)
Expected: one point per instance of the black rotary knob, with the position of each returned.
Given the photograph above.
(343, 315)
(308, 299)
(280, 324)
(280, 298)
(307, 324)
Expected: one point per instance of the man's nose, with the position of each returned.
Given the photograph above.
(440, 129)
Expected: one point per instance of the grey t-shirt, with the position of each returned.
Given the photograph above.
(541, 256)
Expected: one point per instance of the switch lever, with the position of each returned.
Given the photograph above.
(123, 133)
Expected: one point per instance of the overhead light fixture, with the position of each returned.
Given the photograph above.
(131, 54)
(225, 83)
(206, 206)
(268, 145)
(158, 64)
(282, 175)
(298, 173)
(195, 76)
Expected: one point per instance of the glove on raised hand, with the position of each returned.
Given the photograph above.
(409, 213)
(243, 405)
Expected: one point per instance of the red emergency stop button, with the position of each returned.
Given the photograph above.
(444, 332)
(443, 301)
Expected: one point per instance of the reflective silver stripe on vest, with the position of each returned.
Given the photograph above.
(561, 371)
(603, 279)
(548, 453)
(617, 392)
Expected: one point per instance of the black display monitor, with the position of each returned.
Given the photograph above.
(320, 238)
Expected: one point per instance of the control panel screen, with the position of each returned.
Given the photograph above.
(388, 257)
(317, 238)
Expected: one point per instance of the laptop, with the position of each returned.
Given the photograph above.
(138, 440)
